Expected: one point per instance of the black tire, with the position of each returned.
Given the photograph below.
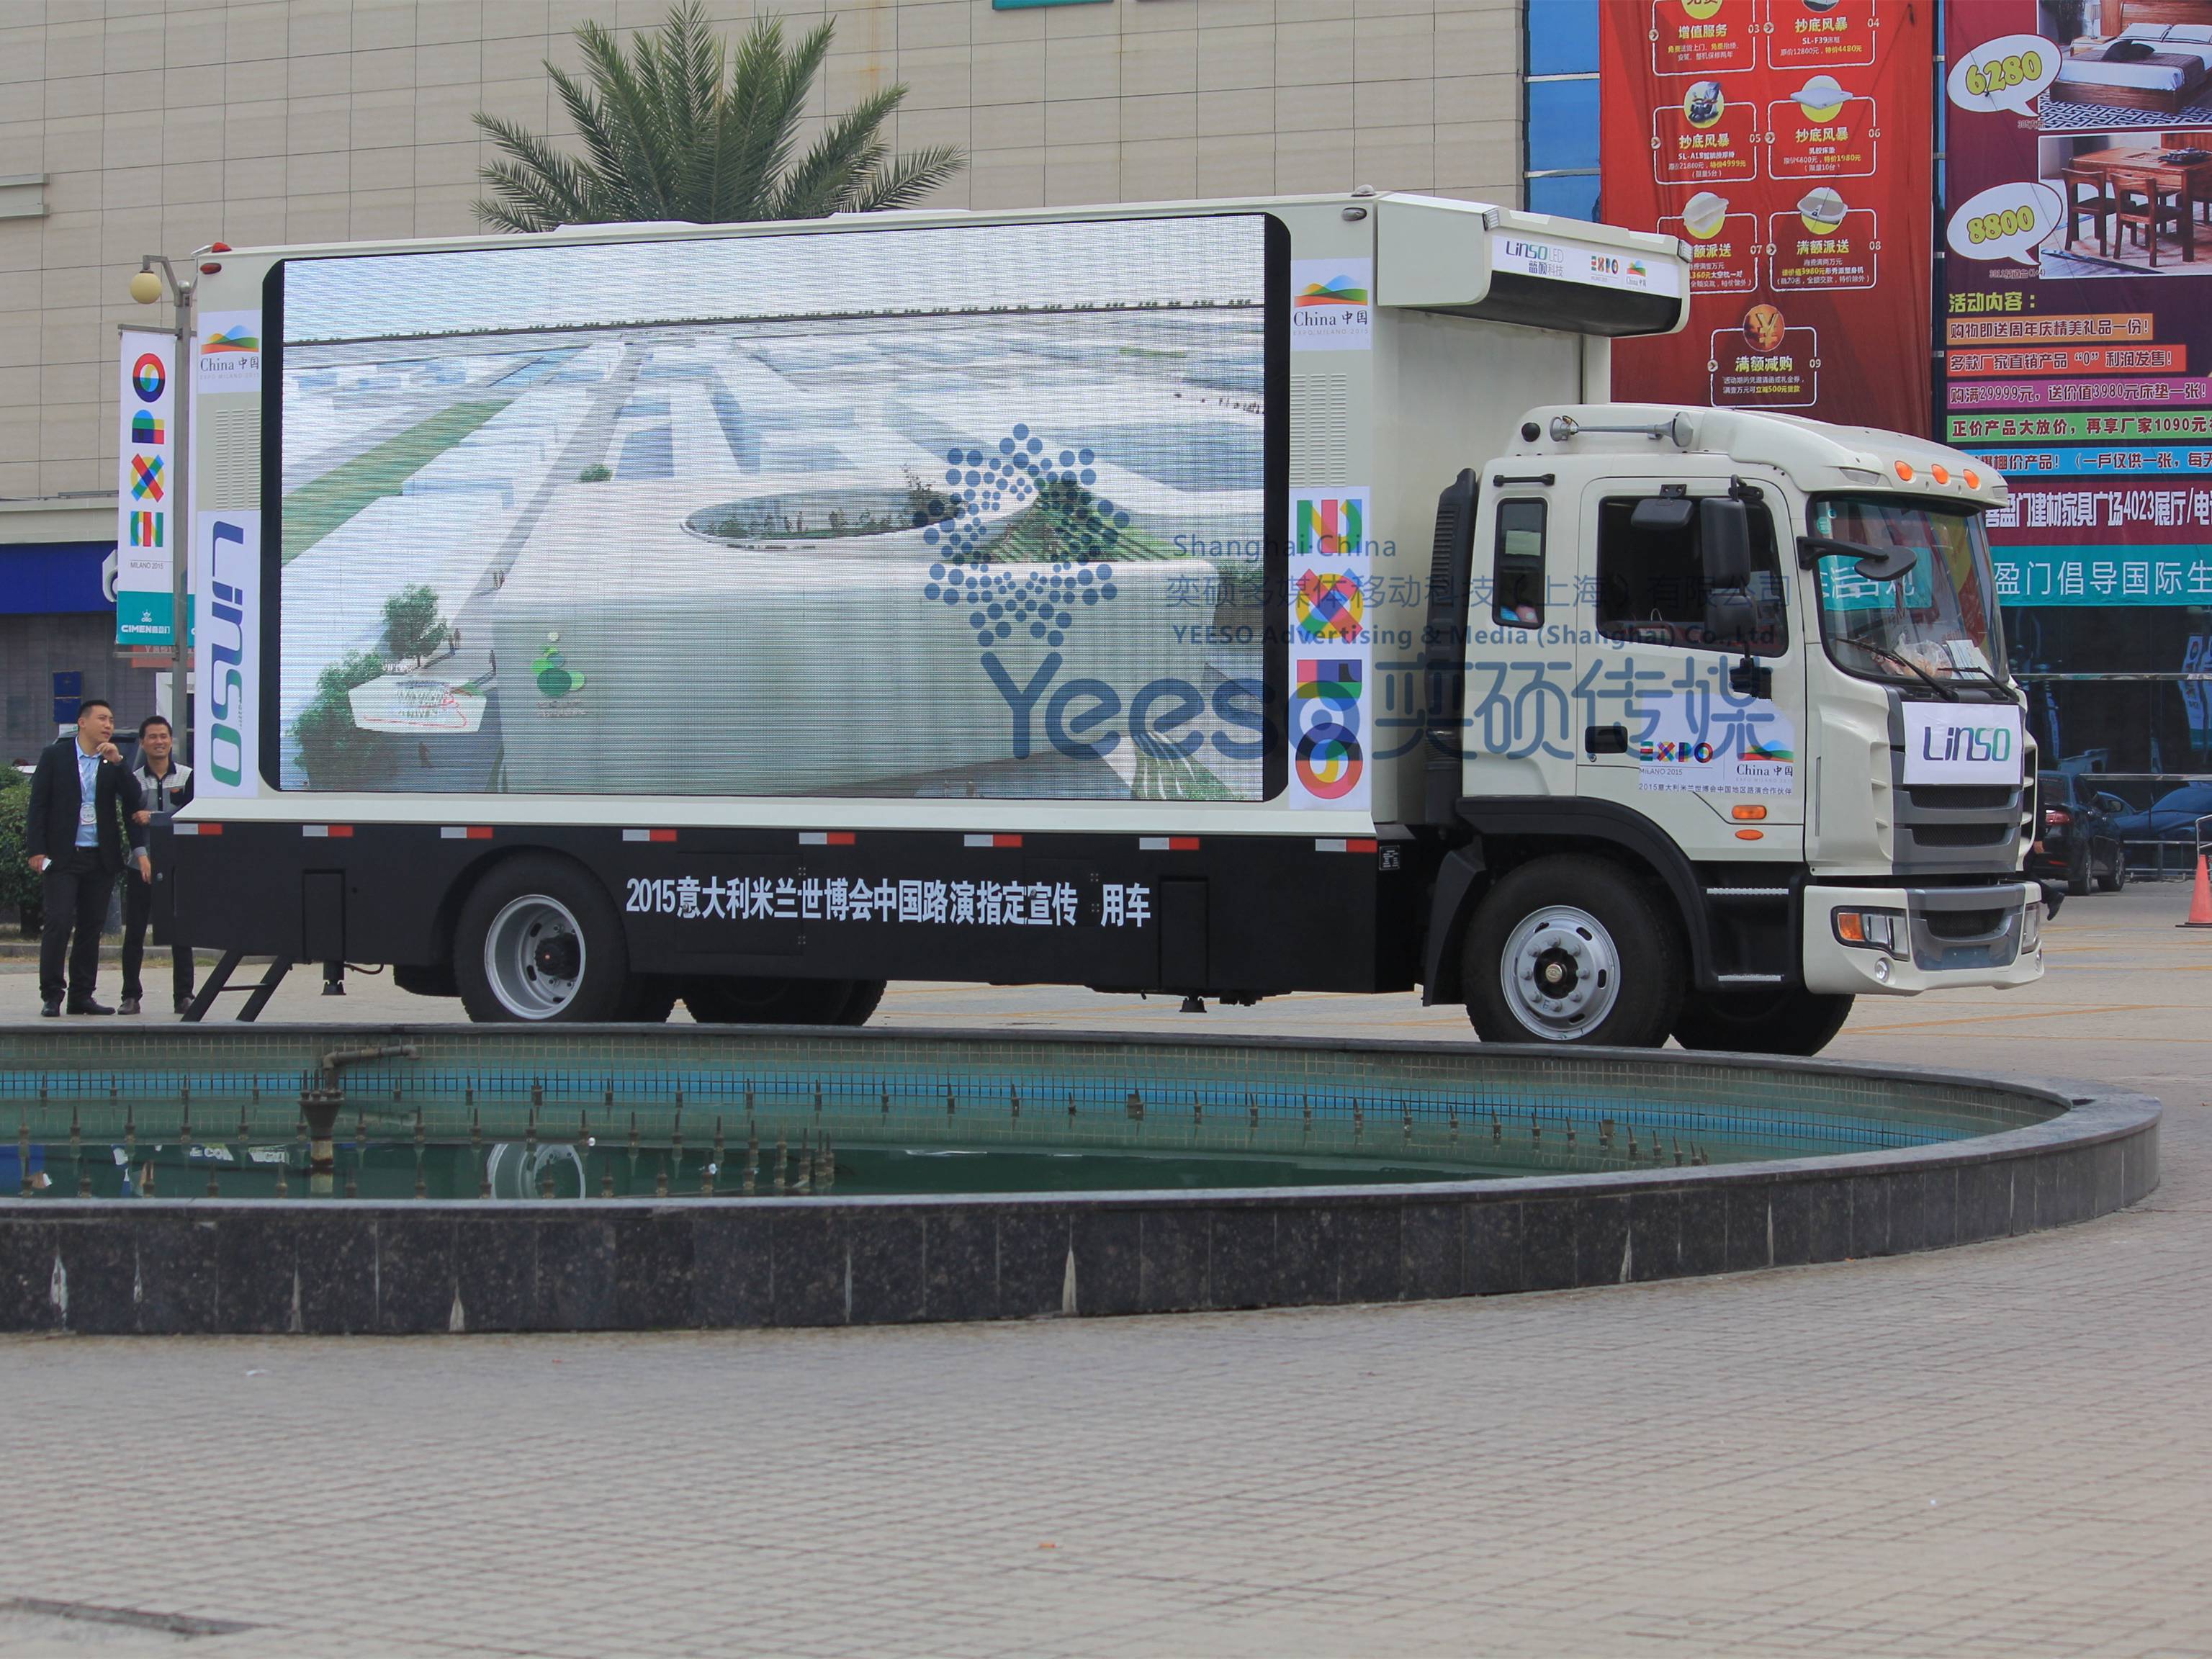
(860, 1007)
(1784, 1022)
(2118, 878)
(649, 1001)
(580, 936)
(2077, 876)
(730, 999)
(1612, 943)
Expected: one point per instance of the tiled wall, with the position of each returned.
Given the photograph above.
(172, 127)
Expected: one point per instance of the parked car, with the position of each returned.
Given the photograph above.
(2173, 815)
(2077, 841)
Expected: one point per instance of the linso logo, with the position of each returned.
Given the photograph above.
(1975, 744)
(1537, 253)
(231, 569)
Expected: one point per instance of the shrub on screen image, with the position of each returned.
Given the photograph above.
(335, 753)
(19, 883)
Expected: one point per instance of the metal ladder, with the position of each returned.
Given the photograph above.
(257, 995)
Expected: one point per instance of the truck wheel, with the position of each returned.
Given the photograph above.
(539, 939)
(1787, 1022)
(730, 999)
(860, 1007)
(649, 1001)
(1572, 950)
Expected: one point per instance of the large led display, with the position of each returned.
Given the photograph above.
(970, 511)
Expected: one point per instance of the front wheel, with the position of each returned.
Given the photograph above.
(729, 999)
(540, 940)
(1785, 1022)
(1572, 949)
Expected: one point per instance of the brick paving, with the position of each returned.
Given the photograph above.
(1995, 1451)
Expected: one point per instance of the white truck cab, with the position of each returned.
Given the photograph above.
(1774, 644)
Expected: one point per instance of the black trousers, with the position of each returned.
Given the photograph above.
(137, 912)
(73, 889)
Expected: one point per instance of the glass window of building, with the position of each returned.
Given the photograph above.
(1560, 108)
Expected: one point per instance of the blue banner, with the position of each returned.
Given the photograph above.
(2103, 576)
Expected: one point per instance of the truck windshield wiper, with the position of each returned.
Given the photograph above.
(1984, 677)
(1883, 653)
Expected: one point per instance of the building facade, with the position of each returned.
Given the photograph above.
(129, 126)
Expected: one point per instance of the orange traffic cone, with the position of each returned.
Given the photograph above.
(2200, 901)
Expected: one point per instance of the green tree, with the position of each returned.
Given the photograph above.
(412, 628)
(682, 127)
(19, 883)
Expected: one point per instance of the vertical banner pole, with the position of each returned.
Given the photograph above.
(180, 554)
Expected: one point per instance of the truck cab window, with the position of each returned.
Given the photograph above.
(1516, 577)
(1652, 583)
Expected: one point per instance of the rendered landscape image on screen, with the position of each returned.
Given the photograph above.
(972, 512)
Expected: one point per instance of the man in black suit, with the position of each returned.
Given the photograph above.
(83, 803)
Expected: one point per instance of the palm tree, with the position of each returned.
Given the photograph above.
(683, 128)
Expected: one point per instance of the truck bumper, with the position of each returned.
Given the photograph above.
(1921, 939)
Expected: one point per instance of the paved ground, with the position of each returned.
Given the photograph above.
(1996, 1451)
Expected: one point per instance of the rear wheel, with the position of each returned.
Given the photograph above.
(2077, 875)
(726, 999)
(1784, 1022)
(2118, 878)
(539, 939)
(1572, 950)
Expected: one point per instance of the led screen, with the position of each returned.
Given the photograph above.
(972, 512)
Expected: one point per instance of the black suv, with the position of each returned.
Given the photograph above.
(2076, 841)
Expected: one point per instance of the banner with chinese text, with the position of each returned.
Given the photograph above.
(1789, 142)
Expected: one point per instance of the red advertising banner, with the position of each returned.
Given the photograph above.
(1789, 144)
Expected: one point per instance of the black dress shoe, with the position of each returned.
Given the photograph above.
(88, 1007)
(51, 1010)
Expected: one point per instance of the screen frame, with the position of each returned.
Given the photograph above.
(1275, 470)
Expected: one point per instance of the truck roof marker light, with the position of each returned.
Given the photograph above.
(1905, 473)
(825, 838)
(327, 832)
(198, 829)
(464, 832)
(1941, 473)
(990, 840)
(1167, 843)
(1345, 844)
(1750, 834)
(649, 834)
(1973, 479)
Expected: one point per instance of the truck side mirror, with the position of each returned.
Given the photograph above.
(1724, 541)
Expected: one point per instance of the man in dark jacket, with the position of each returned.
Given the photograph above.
(82, 812)
(165, 783)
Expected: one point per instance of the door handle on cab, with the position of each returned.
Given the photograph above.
(1605, 739)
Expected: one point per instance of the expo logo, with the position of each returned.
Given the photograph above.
(1325, 715)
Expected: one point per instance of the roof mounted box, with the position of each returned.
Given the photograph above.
(1467, 260)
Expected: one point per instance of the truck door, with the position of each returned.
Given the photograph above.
(1518, 723)
(1689, 694)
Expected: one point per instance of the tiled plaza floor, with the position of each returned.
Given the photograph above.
(1997, 1451)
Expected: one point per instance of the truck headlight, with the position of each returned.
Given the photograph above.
(1874, 930)
(2031, 927)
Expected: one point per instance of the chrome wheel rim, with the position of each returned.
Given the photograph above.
(1561, 973)
(534, 956)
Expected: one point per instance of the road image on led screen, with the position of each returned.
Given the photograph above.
(967, 512)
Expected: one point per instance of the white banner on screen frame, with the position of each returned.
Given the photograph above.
(145, 451)
(227, 653)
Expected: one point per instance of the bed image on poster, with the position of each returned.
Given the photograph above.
(971, 511)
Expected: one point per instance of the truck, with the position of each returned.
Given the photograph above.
(1220, 599)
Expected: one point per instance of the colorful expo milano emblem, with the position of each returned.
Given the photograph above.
(1328, 604)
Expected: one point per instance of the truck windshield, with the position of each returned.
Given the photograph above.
(1938, 623)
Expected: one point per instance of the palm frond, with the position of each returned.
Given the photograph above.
(681, 126)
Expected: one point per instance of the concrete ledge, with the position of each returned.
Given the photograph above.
(209, 1266)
